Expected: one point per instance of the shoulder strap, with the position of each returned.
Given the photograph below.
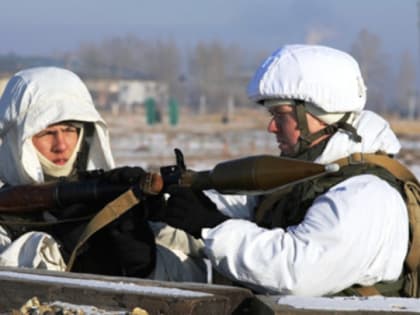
(268, 203)
(109, 213)
(392, 165)
(412, 191)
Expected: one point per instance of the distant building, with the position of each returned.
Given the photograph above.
(118, 94)
(126, 94)
(135, 92)
(104, 91)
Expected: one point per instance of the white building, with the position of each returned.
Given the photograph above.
(126, 94)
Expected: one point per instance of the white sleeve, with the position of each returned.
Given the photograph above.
(31, 250)
(357, 232)
(234, 206)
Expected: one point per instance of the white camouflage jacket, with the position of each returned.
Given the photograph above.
(355, 233)
(32, 100)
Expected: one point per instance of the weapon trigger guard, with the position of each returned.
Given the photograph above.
(179, 156)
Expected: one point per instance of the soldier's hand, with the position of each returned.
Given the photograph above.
(133, 242)
(73, 212)
(190, 211)
(72, 223)
(124, 175)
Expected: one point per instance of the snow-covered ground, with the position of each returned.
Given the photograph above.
(203, 151)
(410, 154)
(416, 170)
(205, 144)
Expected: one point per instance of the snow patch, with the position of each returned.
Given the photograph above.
(101, 284)
(374, 303)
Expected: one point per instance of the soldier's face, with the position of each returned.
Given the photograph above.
(284, 126)
(56, 142)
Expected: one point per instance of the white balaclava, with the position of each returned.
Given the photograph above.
(35, 99)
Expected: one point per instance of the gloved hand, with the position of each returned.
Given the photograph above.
(154, 207)
(74, 211)
(68, 233)
(132, 243)
(114, 182)
(190, 211)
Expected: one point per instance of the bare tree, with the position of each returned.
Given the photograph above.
(406, 84)
(215, 76)
(367, 50)
(124, 55)
(118, 56)
(91, 58)
(217, 73)
(238, 74)
(164, 63)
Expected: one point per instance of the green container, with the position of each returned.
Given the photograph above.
(150, 104)
(173, 112)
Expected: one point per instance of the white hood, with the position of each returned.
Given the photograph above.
(34, 99)
(376, 136)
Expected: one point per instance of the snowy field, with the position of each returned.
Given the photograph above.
(151, 150)
(416, 170)
(410, 153)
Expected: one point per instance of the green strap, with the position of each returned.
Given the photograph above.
(380, 288)
(412, 191)
(391, 165)
(268, 203)
(344, 125)
(307, 137)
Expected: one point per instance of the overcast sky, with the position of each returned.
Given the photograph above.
(45, 26)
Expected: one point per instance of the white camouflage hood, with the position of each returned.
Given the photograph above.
(376, 136)
(33, 100)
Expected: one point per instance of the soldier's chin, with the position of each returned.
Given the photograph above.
(285, 151)
(289, 151)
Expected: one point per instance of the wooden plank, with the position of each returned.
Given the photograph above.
(18, 287)
(157, 297)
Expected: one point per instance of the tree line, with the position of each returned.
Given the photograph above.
(215, 73)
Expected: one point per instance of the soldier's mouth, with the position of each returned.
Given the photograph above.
(60, 161)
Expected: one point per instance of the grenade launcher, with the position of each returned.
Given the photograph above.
(250, 175)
